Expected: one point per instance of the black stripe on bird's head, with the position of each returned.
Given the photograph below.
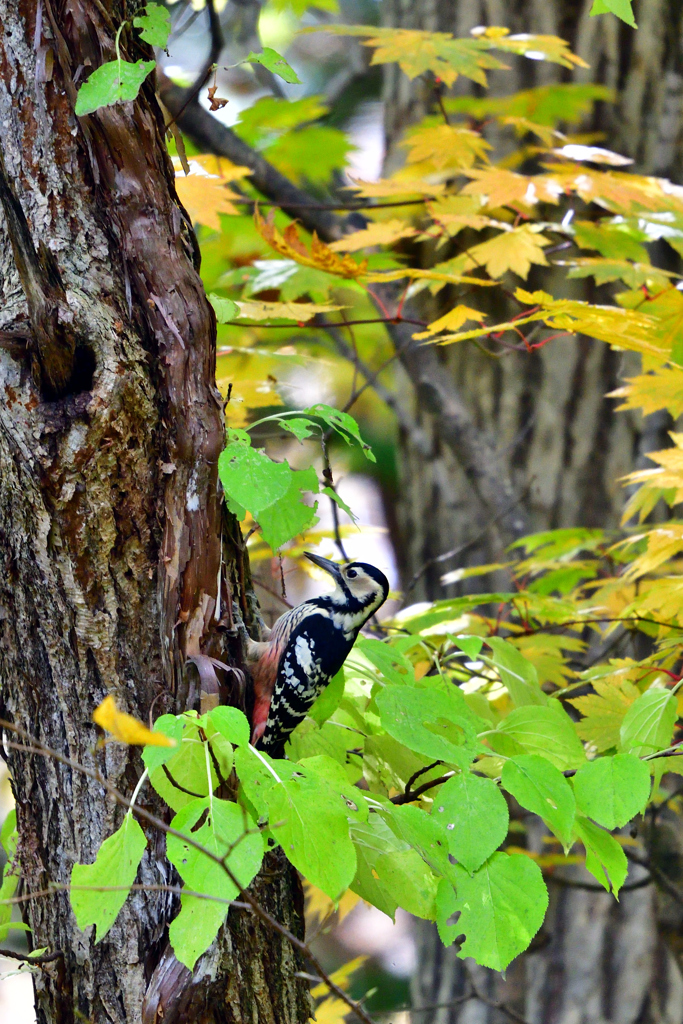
(358, 584)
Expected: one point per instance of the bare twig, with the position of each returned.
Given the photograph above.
(42, 958)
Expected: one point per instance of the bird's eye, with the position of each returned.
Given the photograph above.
(351, 574)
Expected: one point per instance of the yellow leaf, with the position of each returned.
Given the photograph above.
(254, 309)
(446, 147)
(127, 729)
(512, 250)
(246, 395)
(650, 392)
(340, 977)
(204, 197)
(604, 711)
(501, 187)
(216, 166)
(383, 233)
(320, 256)
(458, 212)
(452, 321)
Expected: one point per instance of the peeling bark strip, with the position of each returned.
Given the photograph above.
(110, 540)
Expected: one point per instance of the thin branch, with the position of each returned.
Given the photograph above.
(216, 46)
(352, 207)
(314, 326)
(406, 798)
(662, 880)
(567, 883)
(42, 958)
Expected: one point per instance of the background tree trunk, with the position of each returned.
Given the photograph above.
(563, 448)
(110, 545)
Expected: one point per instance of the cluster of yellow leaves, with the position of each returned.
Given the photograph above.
(443, 147)
(417, 52)
(381, 233)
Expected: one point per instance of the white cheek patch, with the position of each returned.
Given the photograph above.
(303, 654)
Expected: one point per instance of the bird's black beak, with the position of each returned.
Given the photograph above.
(326, 564)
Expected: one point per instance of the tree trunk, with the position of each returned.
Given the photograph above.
(113, 542)
(560, 444)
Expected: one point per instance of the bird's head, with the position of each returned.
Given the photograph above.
(357, 583)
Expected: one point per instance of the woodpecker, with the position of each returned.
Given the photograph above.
(306, 647)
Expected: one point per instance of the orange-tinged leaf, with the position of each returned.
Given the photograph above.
(125, 728)
(320, 256)
(452, 321)
(381, 233)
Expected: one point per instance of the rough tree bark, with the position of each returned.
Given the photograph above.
(563, 448)
(113, 544)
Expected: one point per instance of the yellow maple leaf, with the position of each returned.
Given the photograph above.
(444, 147)
(458, 212)
(604, 711)
(246, 395)
(320, 256)
(381, 233)
(501, 187)
(513, 250)
(451, 321)
(216, 166)
(255, 309)
(204, 196)
(650, 392)
(125, 728)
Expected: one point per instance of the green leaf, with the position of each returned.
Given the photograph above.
(446, 906)
(155, 24)
(231, 723)
(309, 740)
(390, 874)
(272, 60)
(115, 82)
(649, 722)
(225, 309)
(475, 815)
(423, 833)
(222, 824)
(329, 700)
(187, 768)
(300, 427)
(8, 833)
(605, 858)
(348, 797)
(338, 501)
(116, 864)
(502, 906)
(547, 731)
(169, 725)
(622, 9)
(393, 664)
(612, 790)
(10, 879)
(539, 786)
(343, 424)
(290, 516)
(311, 823)
(517, 674)
(471, 645)
(251, 478)
(429, 721)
